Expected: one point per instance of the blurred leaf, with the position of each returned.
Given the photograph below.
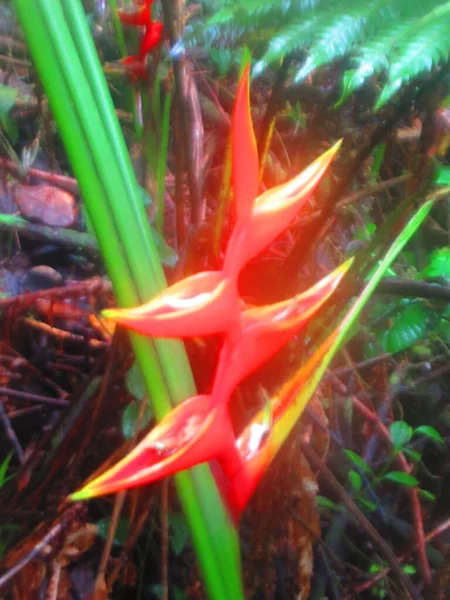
(324, 503)
(135, 382)
(358, 461)
(401, 433)
(179, 532)
(8, 96)
(367, 504)
(130, 416)
(427, 495)
(431, 433)
(355, 480)
(439, 264)
(4, 469)
(401, 478)
(121, 533)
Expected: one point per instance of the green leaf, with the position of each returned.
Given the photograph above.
(179, 532)
(4, 469)
(355, 480)
(408, 326)
(431, 433)
(438, 265)
(367, 504)
(427, 495)
(358, 461)
(401, 433)
(412, 454)
(130, 416)
(409, 569)
(401, 478)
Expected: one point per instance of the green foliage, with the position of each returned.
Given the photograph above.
(406, 327)
(403, 37)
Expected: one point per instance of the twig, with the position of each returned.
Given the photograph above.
(173, 19)
(90, 287)
(10, 433)
(39, 548)
(414, 289)
(57, 402)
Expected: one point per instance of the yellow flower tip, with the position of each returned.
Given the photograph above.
(111, 313)
(83, 494)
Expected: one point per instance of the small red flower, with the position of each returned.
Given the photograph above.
(151, 38)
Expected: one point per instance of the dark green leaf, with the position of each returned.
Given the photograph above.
(130, 416)
(135, 382)
(179, 532)
(121, 533)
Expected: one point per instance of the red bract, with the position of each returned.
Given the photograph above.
(202, 304)
(200, 428)
(265, 330)
(150, 39)
(187, 436)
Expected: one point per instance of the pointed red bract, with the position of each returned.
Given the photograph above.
(265, 330)
(202, 304)
(188, 435)
(245, 170)
(151, 38)
(273, 212)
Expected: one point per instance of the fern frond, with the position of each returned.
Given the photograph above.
(424, 44)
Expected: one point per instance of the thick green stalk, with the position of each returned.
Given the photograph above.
(65, 57)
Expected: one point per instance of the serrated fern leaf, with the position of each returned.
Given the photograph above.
(336, 38)
(289, 39)
(424, 44)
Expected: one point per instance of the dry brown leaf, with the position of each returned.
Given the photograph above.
(46, 203)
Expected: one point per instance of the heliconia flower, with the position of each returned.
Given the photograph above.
(202, 304)
(151, 38)
(188, 435)
(200, 428)
(266, 329)
(135, 15)
(273, 212)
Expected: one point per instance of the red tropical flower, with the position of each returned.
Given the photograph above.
(200, 428)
